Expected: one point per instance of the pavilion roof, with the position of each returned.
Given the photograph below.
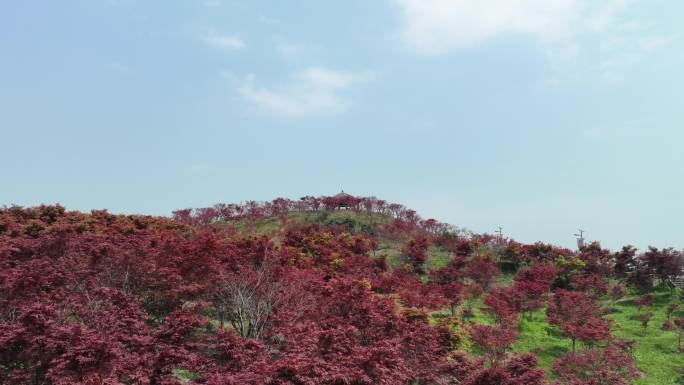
(343, 195)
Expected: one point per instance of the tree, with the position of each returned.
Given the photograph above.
(617, 292)
(103, 299)
(518, 370)
(417, 294)
(577, 316)
(644, 301)
(679, 324)
(606, 366)
(416, 252)
(597, 260)
(531, 286)
(453, 293)
(494, 341)
(482, 270)
(541, 252)
(567, 267)
(625, 261)
(355, 336)
(247, 299)
(671, 308)
(664, 264)
(452, 272)
(644, 318)
(593, 284)
(641, 277)
(523, 370)
(489, 376)
(502, 305)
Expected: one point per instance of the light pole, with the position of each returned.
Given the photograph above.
(580, 239)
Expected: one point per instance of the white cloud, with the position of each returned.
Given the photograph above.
(434, 27)
(313, 91)
(621, 53)
(578, 36)
(229, 42)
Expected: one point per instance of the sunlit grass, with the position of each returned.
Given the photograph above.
(655, 350)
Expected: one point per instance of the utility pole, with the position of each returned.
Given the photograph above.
(500, 232)
(580, 239)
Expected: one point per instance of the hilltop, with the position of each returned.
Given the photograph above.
(323, 291)
(388, 224)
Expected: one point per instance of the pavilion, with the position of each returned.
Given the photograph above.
(343, 201)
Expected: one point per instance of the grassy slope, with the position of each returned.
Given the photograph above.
(437, 257)
(655, 351)
(271, 225)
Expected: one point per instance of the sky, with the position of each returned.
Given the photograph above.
(540, 116)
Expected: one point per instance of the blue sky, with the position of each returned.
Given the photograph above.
(541, 116)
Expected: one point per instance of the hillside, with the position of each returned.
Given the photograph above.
(324, 291)
(371, 225)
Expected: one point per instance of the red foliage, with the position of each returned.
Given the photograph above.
(453, 294)
(625, 261)
(617, 292)
(502, 304)
(126, 299)
(667, 325)
(671, 308)
(607, 366)
(664, 264)
(641, 277)
(519, 370)
(416, 251)
(523, 370)
(578, 317)
(110, 299)
(541, 252)
(527, 294)
(531, 287)
(645, 318)
(482, 270)
(355, 337)
(453, 272)
(644, 301)
(593, 284)
(679, 326)
(597, 260)
(416, 294)
(494, 341)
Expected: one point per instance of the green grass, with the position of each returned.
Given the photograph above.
(184, 376)
(437, 257)
(393, 252)
(356, 222)
(655, 351)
